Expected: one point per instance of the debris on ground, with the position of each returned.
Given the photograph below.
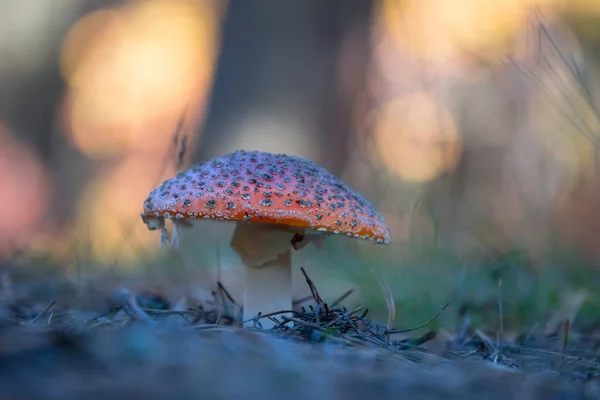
(143, 346)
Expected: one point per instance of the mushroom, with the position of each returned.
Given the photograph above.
(278, 202)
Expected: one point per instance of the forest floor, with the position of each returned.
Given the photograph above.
(61, 341)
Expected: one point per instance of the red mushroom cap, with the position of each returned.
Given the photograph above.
(269, 188)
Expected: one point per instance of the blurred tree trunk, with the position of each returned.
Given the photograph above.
(288, 52)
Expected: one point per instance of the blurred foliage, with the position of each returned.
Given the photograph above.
(472, 126)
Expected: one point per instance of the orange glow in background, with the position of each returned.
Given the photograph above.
(416, 138)
(132, 73)
(427, 55)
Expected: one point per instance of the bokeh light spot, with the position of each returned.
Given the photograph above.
(416, 138)
(133, 71)
(439, 30)
(25, 192)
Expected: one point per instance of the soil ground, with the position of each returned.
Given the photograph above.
(59, 343)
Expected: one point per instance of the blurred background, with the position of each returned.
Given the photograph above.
(471, 125)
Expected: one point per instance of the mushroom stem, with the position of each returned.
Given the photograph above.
(265, 251)
(268, 289)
